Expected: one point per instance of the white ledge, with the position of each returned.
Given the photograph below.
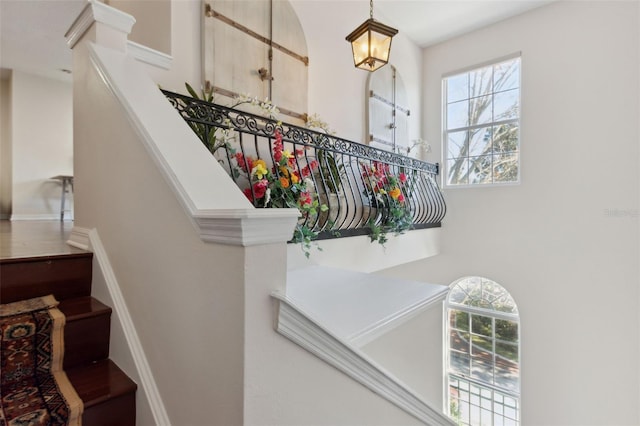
(150, 56)
(96, 11)
(359, 307)
(305, 331)
(246, 227)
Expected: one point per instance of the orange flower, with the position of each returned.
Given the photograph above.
(395, 193)
(284, 182)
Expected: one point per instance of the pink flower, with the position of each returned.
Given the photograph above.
(248, 194)
(401, 198)
(402, 177)
(305, 199)
(278, 147)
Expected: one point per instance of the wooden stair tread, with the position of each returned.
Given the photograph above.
(99, 382)
(38, 258)
(82, 307)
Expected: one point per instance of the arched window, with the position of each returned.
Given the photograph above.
(483, 354)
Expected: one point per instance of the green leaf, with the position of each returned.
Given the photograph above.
(191, 91)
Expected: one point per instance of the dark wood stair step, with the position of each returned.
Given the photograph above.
(107, 392)
(86, 332)
(65, 276)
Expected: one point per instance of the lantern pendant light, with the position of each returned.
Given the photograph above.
(371, 43)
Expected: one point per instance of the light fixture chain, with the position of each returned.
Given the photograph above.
(371, 9)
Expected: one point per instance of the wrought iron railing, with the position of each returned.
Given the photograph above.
(361, 186)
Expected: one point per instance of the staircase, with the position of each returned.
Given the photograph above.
(107, 392)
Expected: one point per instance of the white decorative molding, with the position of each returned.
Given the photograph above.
(148, 383)
(150, 56)
(246, 227)
(96, 11)
(303, 330)
(79, 238)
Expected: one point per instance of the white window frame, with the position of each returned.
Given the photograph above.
(448, 372)
(446, 131)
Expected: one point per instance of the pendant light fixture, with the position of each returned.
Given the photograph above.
(371, 43)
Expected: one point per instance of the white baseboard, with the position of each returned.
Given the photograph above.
(89, 239)
(41, 216)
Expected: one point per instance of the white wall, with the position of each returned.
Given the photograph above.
(336, 87)
(337, 90)
(42, 144)
(185, 42)
(416, 355)
(565, 241)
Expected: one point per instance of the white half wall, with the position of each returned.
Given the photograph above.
(564, 242)
(42, 145)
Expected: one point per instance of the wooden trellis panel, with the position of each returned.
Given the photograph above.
(388, 112)
(242, 37)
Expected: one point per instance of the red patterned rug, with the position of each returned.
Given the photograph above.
(34, 390)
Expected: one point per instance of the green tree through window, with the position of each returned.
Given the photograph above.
(483, 354)
(482, 124)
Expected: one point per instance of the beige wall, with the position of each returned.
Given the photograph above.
(5, 145)
(153, 22)
(564, 242)
(42, 144)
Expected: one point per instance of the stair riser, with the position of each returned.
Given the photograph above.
(86, 340)
(119, 411)
(64, 277)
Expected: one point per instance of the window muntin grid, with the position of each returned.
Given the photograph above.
(482, 125)
(483, 351)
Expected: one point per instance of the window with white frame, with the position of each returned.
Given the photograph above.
(483, 354)
(482, 124)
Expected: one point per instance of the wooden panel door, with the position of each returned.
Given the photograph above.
(388, 112)
(256, 48)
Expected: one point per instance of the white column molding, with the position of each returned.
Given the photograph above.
(98, 12)
(246, 227)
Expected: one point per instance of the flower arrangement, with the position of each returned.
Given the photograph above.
(221, 137)
(284, 185)
(387, 193)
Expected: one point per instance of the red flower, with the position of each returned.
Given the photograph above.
(401, 198)
(306, 170)
(260, 188)
(305, 199)
(240, 160)
(248, 194)
(402, 177)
